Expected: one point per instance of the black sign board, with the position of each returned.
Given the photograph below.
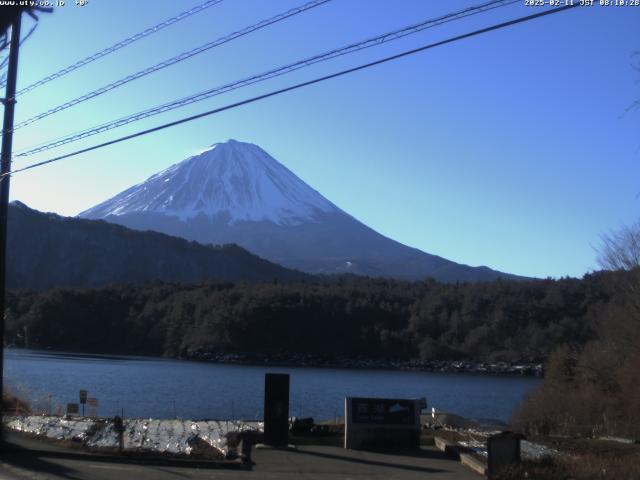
(383, 411)
(382, 423)
(83, 396)
(276, 409)
(72, 408)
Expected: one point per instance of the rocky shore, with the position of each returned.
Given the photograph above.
(309, 360)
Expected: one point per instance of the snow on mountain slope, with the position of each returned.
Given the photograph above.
(235, 192)
(239, 181)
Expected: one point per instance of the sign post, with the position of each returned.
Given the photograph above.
(118, 426)
(83, 399)
(93, 406)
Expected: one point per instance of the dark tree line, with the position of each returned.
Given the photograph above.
(344, 317)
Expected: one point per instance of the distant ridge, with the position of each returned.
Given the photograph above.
(47, 250)
(235, 192)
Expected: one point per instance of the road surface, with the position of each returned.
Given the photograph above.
(33, 460)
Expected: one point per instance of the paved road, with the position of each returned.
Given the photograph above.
(307, 462)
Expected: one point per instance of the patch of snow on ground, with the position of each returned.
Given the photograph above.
(535, 451)
(175, 437)
(528, 450)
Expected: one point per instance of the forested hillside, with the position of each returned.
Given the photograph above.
(48, 250)
(344, 317)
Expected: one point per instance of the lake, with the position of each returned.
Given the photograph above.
(158, 387)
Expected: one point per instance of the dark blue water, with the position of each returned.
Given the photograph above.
(153, 387)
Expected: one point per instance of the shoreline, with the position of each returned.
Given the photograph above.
(515, 369)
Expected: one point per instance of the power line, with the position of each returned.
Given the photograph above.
(172, 61)
(121, 44)
(371, 42)
(295, 87)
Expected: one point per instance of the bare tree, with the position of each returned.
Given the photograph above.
(620, 250)
(635, 64)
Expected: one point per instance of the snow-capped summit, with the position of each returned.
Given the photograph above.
(233, 180)
(235, 192)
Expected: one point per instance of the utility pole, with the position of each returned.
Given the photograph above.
(5, 167)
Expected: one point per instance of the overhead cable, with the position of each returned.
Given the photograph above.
(295, 87)
(370, 42)
(172, 61)
(121, 44)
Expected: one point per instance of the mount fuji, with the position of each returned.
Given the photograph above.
(235, 192)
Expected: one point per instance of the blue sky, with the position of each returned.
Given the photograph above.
(511, 149)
